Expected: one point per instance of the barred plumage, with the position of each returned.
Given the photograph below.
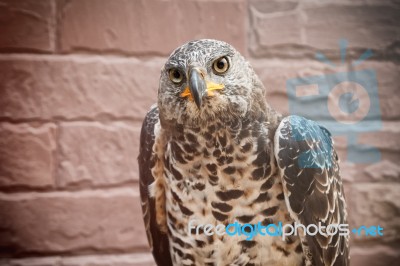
(212, 150)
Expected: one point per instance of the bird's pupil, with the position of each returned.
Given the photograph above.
(176, 74)
(221, 64)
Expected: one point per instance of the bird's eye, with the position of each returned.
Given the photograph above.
(175, 76)
(221, 65)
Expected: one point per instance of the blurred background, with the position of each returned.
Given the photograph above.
(78, 76)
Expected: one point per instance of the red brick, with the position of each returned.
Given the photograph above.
(270, 7)
(118, 260)
(137, 259)
(387, 75)
(46, 261)
(384, 171)
(95, 154)
(71, 87)
(138, 27)
(287, 28)
(27, 25)
(71, 222)
(373, 204)
(385, 139)
(375, 27)
(27, 155)
(351, 172)
(275, 73)
(374, 256)
(274, 24)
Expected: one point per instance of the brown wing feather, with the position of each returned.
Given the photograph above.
(309, 169)
(158, 240)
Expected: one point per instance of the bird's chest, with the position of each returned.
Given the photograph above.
(204, 167)
(221, 176)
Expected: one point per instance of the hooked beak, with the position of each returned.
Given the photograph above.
(197, 85)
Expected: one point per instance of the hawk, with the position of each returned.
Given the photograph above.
(213, 151)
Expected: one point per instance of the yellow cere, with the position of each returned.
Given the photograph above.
(211, 86)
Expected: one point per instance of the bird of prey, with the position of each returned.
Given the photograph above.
(213, 151)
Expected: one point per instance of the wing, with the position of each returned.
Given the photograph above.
(158, 240)
(309, 168)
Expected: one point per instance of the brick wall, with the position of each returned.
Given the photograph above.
(77, 77)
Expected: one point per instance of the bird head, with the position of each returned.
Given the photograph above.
(205, 80)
